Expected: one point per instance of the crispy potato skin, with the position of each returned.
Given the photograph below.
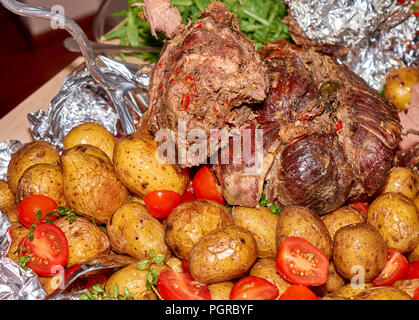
(223, 254)
(335, 281)
(266, 268)
(85, 240)
(18, 233)
(32, 153)
(220, 290)
(341, 217)
(192, 220)
(7, 197)
(402, 180)
(301, 222)
(348, 291)
(397, 220)
(407, 285)
(133, 231)
(11, 213)
(91, 133)
(134, 280)
(398, 86)
(382, 293)
(359, 244)
(262, 225)
(137, 166)
(45, 179)
(414, 254)
(90, 184)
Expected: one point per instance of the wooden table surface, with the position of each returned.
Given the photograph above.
(15, 124)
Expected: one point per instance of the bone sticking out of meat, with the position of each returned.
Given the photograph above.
(205, 71)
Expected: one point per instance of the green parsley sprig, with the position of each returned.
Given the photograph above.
(273, 208)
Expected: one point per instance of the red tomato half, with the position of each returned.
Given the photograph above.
(395, 269)
(185, 266)
(205, 186)
(413, 270)
(29, 207)
(416, 294)
(361, 207)
(160, 203)
(253, 288)
(181, 286)
(298, 292)
(47, 251)
(299, 262)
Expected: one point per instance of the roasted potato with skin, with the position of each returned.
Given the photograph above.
(266, 268)
(11, 213)
(341, 217)
(382, 293)
(398, 86)
(402, 180)
(414, 254)
(262, 225)
(334, 281)
(90, 184)
(45, 179)
(397, 220)
(301, 222)
(7, 197)
(220, 290)
(137, 165)
(18, 233)
(91, 133)
(32, 153)
(223, 254)
(407, 285)
(134, 280)
(85, 240)
(348, 291)
(192, 220)
(133, 231)
(360, 245)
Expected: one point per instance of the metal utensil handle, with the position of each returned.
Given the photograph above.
(70, 25)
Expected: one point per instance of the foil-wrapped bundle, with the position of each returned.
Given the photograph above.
(369, 36)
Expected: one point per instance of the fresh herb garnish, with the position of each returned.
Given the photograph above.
(100, 292)
(152, 273)
(259, 20)
(273, 208)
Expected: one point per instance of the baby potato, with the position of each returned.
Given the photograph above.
(133, 231)
(134, 280)
(138, 167)
(397, 220)
(407, 285)
(359, 245)
(398, 86)
(11, 213)
(45, 179)
(90, 183)
(262, 225)
(85, 240)
(348, 291)
(18, 233)
(220, 290)
(91, 133)
(414, 254)
(32, 153)
(301, 222)
(190, 221)
(223, 254)
(334, 281)
(7, 197)
(382, 293)
(266, 268)
(341, 217)
(402, 180)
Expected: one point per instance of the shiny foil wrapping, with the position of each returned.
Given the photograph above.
(379, 34)
(7, 148)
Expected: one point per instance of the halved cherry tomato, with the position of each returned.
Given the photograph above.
(360, 206)
(253, 288)
(97, 278)
(205, 186)
(416, 294)
(413, 270)
(161, 202)
(395, 269)
(298, 292)
(185, 266)
(31, 205)
(299, 262)
(48, 251)
(187, 196)
(181, 286)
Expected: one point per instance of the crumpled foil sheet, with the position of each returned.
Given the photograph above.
(15, 283)
(81, 99)
(7, 148)
(380, 33)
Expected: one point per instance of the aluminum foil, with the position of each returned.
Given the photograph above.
(7, 148)
(381, 34)
(82, 99)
